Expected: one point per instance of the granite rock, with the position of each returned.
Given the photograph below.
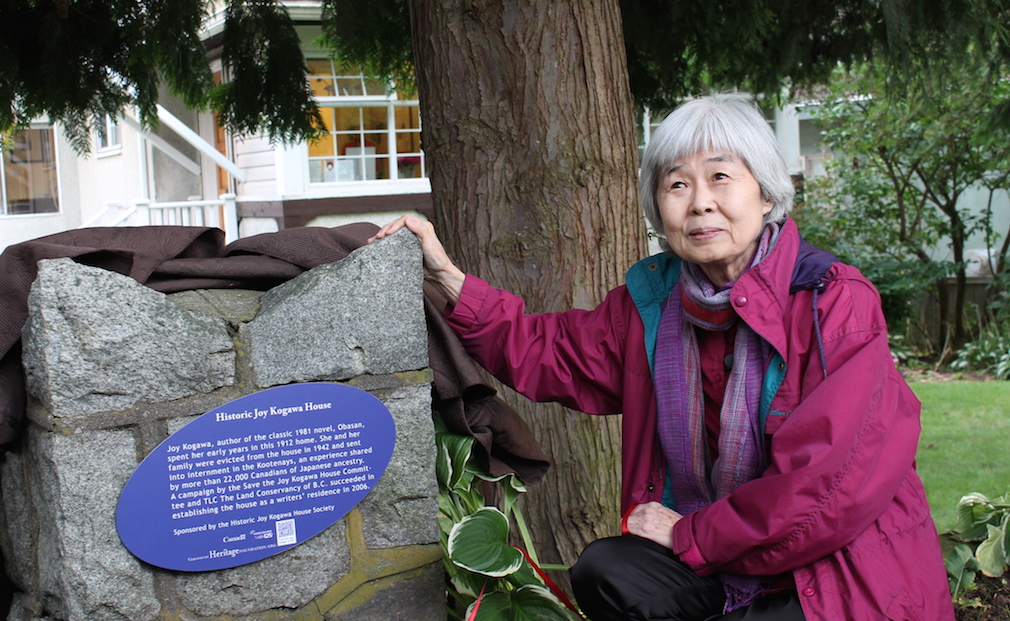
(360, 315)
(98, 341)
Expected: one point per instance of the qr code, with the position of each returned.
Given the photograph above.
(286, 535)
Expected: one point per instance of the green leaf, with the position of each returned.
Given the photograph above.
(983, 513)
(525, 576)
(468, 583)
(450, 465)
(960, 558)
(961, 567)
(974, 511)
(446, 514)
(528, 603)
(1005, 540)
(479, 542)
(512, 488)
(991, 553)
(471, 500)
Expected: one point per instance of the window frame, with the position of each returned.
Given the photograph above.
(51, 149)
(108, 127)
(390, 100)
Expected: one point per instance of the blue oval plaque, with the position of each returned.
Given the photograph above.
(254, 477)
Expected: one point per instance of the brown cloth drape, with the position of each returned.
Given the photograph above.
(176, 258)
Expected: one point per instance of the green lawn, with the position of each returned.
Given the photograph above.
(965, 442)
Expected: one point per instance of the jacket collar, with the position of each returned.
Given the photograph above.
(761, 296)
(811, 269)
(649, 282)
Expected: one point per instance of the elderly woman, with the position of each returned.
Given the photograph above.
(768, 440)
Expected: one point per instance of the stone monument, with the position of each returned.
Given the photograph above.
(113, 368)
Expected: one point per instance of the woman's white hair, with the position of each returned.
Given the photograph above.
(728, 122)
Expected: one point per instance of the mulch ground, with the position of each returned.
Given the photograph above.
(929, 375)
(988, 600)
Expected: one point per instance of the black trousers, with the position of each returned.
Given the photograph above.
(629, 578)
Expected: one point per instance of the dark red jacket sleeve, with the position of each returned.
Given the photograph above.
(574, 357)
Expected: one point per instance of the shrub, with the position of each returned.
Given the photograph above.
(989, 353)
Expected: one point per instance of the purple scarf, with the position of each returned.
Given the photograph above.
(693, 481)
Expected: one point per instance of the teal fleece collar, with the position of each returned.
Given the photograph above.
(649, 282)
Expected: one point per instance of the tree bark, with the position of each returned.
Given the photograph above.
(530, 137)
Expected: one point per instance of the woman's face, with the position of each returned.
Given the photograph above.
(713, 213)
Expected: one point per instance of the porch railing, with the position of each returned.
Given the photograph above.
(220, 213)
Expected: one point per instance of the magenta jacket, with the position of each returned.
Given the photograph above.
(840, 505)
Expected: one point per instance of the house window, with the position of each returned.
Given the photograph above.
(28, 173)
(372, 134)
(107, 138)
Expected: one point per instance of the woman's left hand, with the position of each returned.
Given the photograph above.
(653, 521)
(438, 268)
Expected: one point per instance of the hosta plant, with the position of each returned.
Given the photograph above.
(493, 579)
(986, 521)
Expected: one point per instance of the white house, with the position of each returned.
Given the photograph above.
(191, 171)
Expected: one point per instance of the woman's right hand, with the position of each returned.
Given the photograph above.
(438, 268)
(653, 521)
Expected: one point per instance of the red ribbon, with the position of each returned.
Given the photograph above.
(550, 583)
(476, 604)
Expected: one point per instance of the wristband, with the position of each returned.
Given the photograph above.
(624, 520)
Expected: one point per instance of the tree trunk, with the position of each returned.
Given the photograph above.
(529, 132)
(957, 237)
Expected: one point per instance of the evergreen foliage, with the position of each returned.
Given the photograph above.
(77, 61)
(681, 48)
(677, 48)
(262, 47)
(374, 35)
